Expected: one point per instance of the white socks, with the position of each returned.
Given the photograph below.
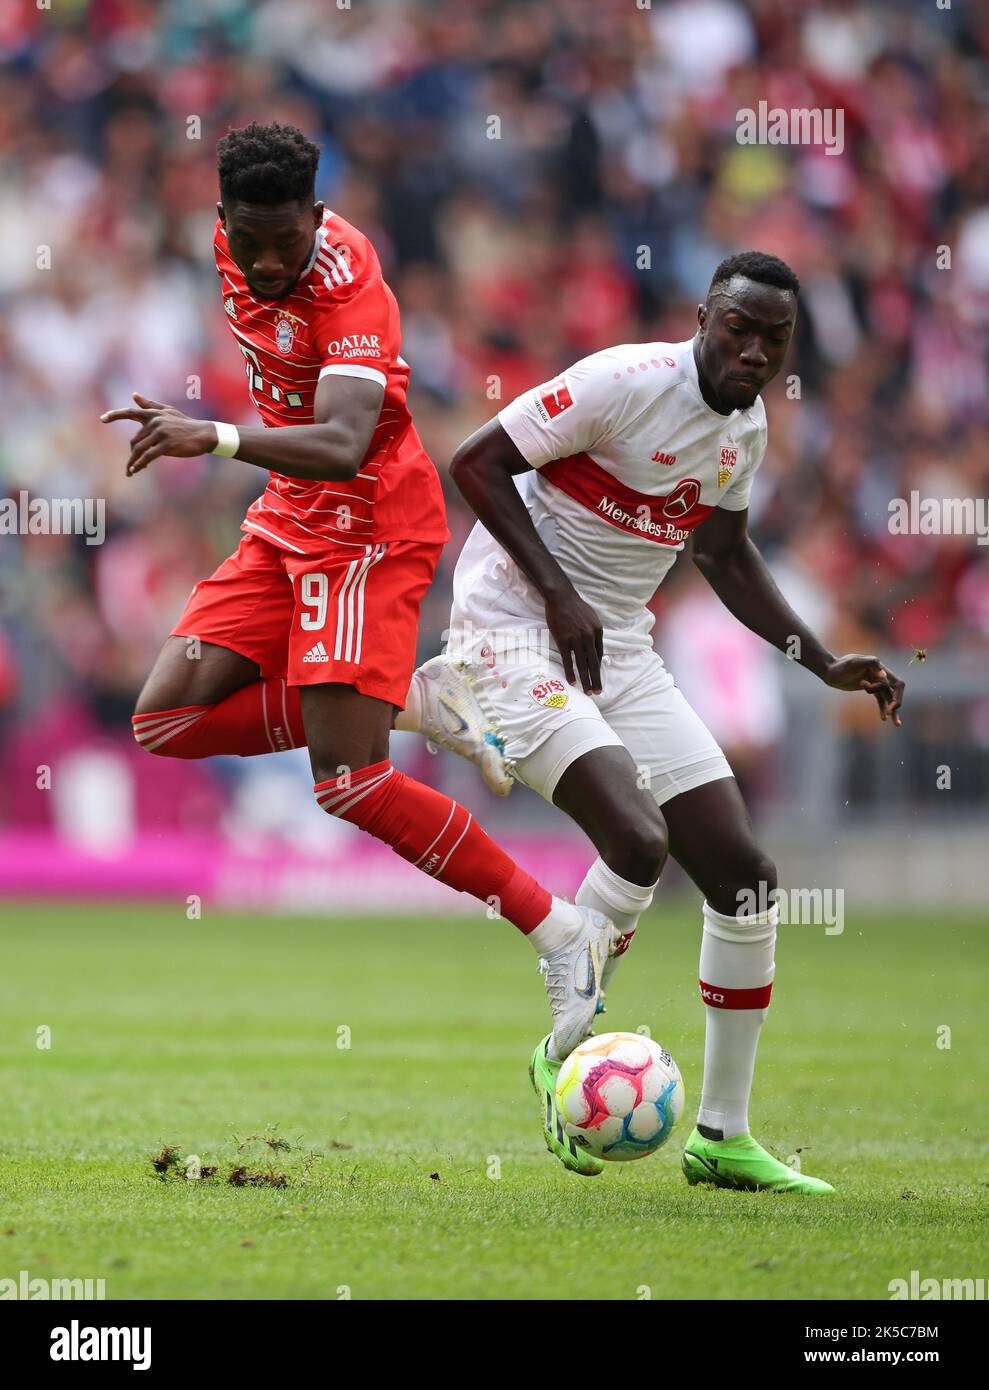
(606, 892)
(616, 897)
(737, 967)
(556, 930)
(736, 975)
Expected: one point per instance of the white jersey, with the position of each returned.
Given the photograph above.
(628, 459)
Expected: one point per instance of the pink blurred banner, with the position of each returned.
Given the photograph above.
(365, 878)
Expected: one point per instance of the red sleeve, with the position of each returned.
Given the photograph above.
(352, 324)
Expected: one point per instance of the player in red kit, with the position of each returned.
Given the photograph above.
(307, 634)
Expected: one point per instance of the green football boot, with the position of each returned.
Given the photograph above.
(543, 1072)
(743, 1164)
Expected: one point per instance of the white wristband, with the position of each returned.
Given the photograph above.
(227, 439)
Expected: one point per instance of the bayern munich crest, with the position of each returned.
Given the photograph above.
(285, 336)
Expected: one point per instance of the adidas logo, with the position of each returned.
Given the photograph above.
(317, 653)
(230, 306)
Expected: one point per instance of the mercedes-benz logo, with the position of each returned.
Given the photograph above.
(682, 499)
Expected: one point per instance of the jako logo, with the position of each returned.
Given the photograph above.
(75, 1343)
(713, 995)
(668, 459)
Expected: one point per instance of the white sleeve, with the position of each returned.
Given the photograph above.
(739, 490)
(568, 415)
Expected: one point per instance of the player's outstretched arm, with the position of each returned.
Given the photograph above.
(346, 410)
(725, 554)
(483, 468)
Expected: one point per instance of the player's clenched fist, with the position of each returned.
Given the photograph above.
(857, 672)
(164, 431)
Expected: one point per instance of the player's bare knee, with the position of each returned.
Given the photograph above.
(167, 714)
(150, 702)
(639, 848)
(151, 713)
(342, 764)
(189, 672)
(761, 875)
(164, 692)
(744, 886)
(326, 770)
(333, 760)
(164, 730)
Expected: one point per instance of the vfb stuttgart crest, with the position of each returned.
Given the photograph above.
(729, 457)
(549, 692)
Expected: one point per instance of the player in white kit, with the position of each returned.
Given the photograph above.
(623, 458)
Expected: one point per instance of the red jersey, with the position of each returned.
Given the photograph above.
(341, 318)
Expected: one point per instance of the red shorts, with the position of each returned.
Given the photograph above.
(348, 615)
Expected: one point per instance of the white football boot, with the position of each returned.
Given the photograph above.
(623, 941)
(572, 975)
(444, 709)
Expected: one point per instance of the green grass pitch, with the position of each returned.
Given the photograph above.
(191, 1033)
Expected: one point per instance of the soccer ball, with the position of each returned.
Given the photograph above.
(619, 1096)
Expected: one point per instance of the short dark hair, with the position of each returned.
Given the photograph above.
(758, 266)
(267, 164)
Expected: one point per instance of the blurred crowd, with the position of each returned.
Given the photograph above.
(540, 180)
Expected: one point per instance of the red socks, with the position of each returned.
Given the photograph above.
(263, 717)
(425, 827)
(438, 836)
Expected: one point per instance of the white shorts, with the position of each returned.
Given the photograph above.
(547, 724)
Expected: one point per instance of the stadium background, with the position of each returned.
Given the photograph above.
(510, 258)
